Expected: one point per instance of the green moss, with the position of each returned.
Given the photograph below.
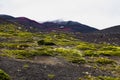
(90, 53)
(9, 28)
(109, 53)
(4, 76)
(89, 77)
(108, 78)
(25, 66)
(113, 48)
(43, 42)
(51, 76)
(72, 55)
(15, 45)
(85, 46)
(104, 61)
(24, 34)
(22, 54)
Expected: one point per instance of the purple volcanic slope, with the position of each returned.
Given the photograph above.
(34, 26)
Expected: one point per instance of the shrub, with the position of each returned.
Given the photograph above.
(107, 78)
(25, 66)
(89, 77)
(113, 48)
(42, 42)
(72, 55)
(109, 53)
(4, 76)
(22, 54)
(85, 46)
(23, 46)
(90, 53)
(46, 51)
(102, 60)
(77, 60)
(51, 76)
(68, 52)
(8, 45)
(24, 34)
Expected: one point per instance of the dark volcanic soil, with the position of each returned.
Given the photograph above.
(28, 70)
(110, 38)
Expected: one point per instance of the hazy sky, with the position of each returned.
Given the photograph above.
(96, 13)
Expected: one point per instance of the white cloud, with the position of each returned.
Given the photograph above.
(96, 13)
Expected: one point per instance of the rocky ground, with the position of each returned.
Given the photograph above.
(110, 38)
(47, 70)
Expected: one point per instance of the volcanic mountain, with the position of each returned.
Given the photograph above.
(34, 26)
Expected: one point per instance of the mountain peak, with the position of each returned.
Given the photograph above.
(22, 18)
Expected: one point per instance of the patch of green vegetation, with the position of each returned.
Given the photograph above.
(86, 46)
(9, 28)
(72, 55)
(15, 45)
(43, 42)
(109, 53)
(46, 51)
(104, 61)
(68, 52)
(108, 78)
(51, 76)
(89, 77)
(101, 49)
(3, 34)
(23, 34)
(90, 53)
(113, 48)
(67, 42)
(4, 76)
(28, 45)
(26, 66)
(23, 54)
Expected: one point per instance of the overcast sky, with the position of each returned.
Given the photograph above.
(96, 13)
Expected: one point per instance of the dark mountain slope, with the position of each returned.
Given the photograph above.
(26, 24)
(7, 17)
(114, 29)
(7, 25)
(4, 21)
(109, 35)
(69, 26)
(33, 26)
(29, 25)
